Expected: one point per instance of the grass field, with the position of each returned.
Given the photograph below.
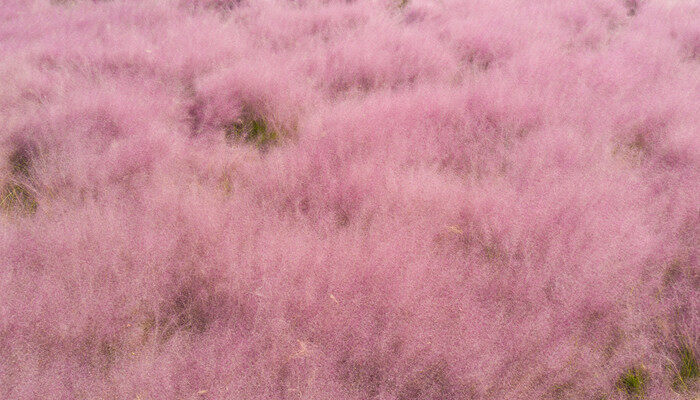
(367, 200)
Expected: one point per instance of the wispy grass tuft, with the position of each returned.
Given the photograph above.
(18, 198)
(251, 128)
(685, 370)
(633, 382)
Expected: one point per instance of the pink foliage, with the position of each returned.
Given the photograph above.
(266, 199)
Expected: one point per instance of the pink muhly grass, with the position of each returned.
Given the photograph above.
(349, 200)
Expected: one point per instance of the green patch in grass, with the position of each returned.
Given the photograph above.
(251, 128)
(16, 197)
(633, 382)
(686, 368)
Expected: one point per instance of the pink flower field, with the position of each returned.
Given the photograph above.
(349, 200)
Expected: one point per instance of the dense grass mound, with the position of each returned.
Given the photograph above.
(391, 200)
